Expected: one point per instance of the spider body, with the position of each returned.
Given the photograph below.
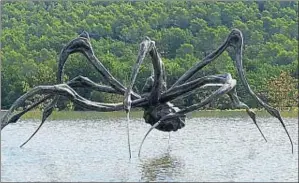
(153, 114)
(156, 99)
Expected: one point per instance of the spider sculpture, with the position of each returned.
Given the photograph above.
(156, 99)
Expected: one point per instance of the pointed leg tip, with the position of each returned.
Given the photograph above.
(22, 145)
(264, 138)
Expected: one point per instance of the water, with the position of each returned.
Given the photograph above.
(207, 149)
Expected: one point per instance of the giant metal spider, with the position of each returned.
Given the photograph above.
(159, 112)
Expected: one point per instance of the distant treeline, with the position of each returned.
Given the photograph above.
(34, 32)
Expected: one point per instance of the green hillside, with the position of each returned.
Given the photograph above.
(33, 34)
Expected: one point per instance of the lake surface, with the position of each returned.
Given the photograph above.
(206, 149)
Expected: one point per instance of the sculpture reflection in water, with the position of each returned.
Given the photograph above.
(162, 168)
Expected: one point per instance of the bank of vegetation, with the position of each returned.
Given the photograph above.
(34, 32)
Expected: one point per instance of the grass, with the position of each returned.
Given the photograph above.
(63, 115)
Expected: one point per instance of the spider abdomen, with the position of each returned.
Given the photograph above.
(153, 114)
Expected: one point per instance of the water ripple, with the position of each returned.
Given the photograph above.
(207, 149)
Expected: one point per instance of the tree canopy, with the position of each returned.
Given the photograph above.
(34, 32)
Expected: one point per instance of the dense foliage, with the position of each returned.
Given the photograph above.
(34, 32)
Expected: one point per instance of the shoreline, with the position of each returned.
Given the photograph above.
(60, 115)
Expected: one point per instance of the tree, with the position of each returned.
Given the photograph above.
(33, 34)
(283, 90)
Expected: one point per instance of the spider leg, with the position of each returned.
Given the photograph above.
(240, 105)
(85, 82)
(143, 49)
(82, 45)
(159, 84)
(191, 86)
(235, 40)
(158, 74)
(50, 90)
(199, 65)
(63, 90)
(17, 116)
(146, 46)
(79, 81)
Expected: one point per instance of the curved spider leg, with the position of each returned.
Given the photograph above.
(240, 105)
(17, 116)
(79, 81)
(144, 47)
(85, 82)
(6, 120)
(67, 91)
(44, 116)
(152, 127)
(191, 86)
(199, 65)
(225, 81)
(236, 41)
(82, 45)
(159, 84)
(158, 76)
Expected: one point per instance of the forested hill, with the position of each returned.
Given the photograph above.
(33, 34)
